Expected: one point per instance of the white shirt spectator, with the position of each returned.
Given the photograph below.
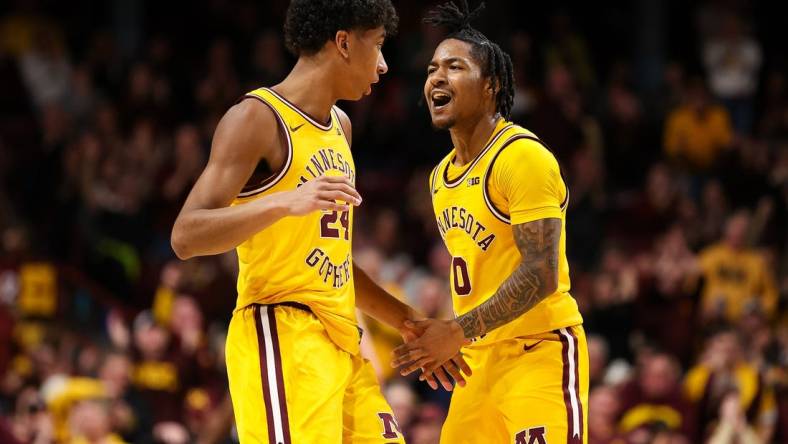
(733, 66)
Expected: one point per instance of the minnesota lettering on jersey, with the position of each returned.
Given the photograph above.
(462, 219)
(326, 159)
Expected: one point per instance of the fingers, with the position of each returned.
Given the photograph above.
(335, 179)
(454, 371)
(459, 361)
(429, 378)
(424, 363)
(332, 205)
(406, 353)
(332, 188)
(443, 378)
(417, 324)
(338, 195)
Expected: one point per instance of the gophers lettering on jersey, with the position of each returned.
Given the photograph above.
(337, 274)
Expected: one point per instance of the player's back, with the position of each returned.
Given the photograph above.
(303, 259)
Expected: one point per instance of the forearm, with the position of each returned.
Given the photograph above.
(378, 303)
(533, 280)
(522, 291)
(203, 232)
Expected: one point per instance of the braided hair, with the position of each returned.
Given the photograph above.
(495, 63)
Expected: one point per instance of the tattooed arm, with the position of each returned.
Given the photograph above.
(533, 280)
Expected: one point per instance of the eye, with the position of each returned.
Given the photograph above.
(431, 69)
(455, 67)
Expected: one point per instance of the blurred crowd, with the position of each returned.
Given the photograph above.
(677, 225)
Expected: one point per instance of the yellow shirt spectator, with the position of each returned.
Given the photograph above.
(735, 280)
(696, 137)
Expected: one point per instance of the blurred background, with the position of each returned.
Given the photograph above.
(670, 120)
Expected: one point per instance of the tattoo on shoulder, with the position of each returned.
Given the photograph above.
(529, 284)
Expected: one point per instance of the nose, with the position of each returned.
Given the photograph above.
(382, 66)
(437, 78)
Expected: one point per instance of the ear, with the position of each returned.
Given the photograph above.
(342, 41)
(492, 87)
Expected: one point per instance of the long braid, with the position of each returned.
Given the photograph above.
(496, 64)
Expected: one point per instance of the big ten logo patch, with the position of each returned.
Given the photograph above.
(534, 435)
(473, 181)
(390, 427)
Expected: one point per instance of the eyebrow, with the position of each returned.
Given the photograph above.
(448, 61)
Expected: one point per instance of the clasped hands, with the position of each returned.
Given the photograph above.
(432, 345)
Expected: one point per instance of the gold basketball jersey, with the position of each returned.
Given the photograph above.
(514, 179)
(304, 259)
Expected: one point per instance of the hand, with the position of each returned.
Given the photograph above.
(456, 366)
(322, 193)
(440, 341)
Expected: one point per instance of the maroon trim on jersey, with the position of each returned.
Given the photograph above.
(497, 212)
(307, 117)
(276, 176)
(572, 436)
(453, 183)
(434, 178)
(340, 128)
(577, 380)
(269, 414)
(280, 380)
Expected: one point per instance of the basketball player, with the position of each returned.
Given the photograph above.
(500, 203)
(279, 187)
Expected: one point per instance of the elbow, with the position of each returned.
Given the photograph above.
(179, 245)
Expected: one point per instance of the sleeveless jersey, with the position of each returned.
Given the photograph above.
(514, 179)
(304, 259)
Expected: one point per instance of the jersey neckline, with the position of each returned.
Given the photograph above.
(307, 117)
(451, 183)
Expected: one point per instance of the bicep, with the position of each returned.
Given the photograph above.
(244, 136)
(538, 242)
(538, 239)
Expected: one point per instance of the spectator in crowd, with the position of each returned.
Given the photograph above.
(736, 279)
(603, 407)
(698, 131)
(653, 400)
(723, 386)
(733, 60)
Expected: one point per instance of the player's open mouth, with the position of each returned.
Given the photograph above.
(440, 99)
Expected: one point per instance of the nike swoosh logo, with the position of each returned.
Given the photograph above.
(528, 348)
(435, 191)
(294, 129)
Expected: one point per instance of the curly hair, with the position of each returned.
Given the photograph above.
(495, 63)
(311, 23)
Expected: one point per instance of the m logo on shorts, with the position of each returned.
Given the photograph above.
(534, 435)
(390, 426)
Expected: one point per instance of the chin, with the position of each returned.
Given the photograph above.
(443, 124)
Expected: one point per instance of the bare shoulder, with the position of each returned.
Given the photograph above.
(246, 134)
(344, 120)
(248, 129)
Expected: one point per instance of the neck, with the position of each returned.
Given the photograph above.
(301, 87)
(470, 139)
